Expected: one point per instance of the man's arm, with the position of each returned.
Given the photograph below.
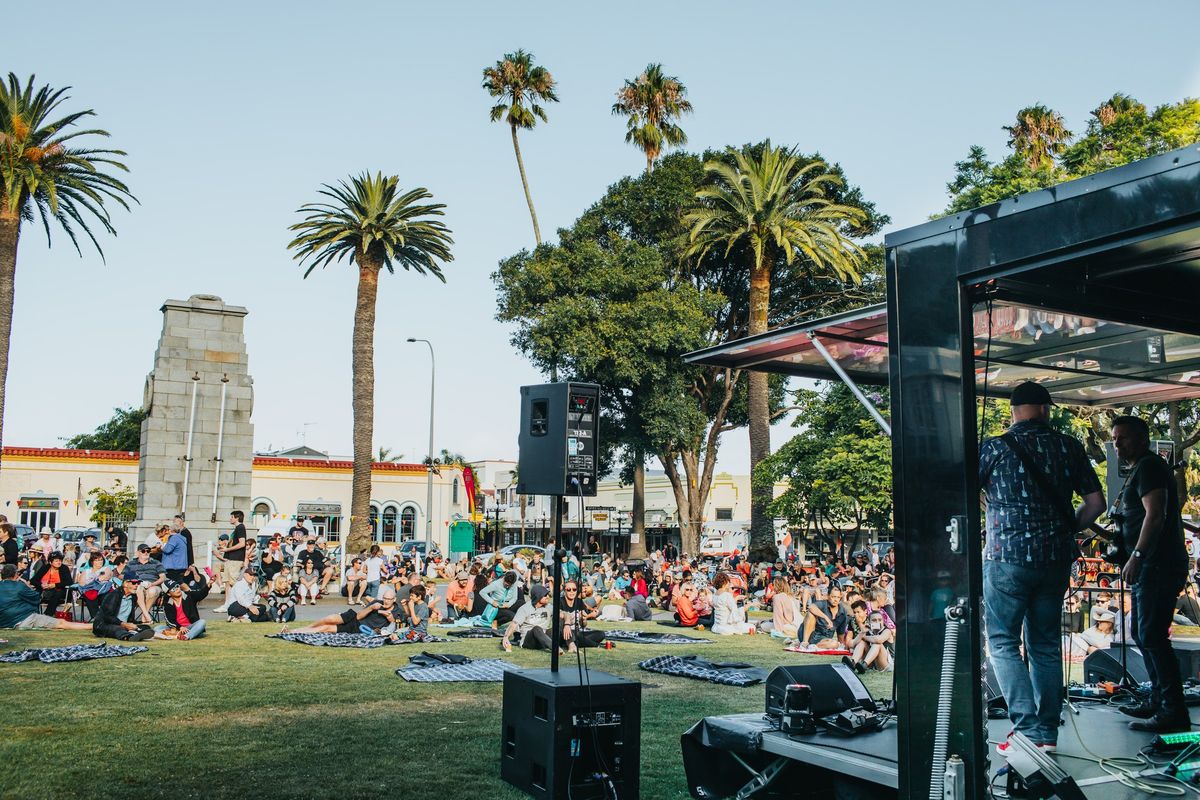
(1090, 510)
(1148, 536)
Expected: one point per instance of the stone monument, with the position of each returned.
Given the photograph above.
(197, 446)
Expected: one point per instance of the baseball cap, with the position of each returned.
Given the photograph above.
(130, 577)
(537, 592)
(170, 585)
(462, 575)
(143, 548)
(1031, 394)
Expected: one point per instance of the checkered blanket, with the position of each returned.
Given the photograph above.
(647, 637)
(484, 670)
(699, 669)
(476, 633)
(358, 640)
(76, 652)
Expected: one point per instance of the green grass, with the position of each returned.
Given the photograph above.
(235, 715)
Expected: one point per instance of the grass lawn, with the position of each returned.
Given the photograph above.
(235, 715)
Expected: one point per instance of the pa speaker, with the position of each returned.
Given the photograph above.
(566, 738)
(558, 441)
(835, 688)
(1105, 665)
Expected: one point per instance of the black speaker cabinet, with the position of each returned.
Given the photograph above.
(559, 441)
(561, 737)
(835, 688)
(1105, 665)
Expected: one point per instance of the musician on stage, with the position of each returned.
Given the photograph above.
(1147, 511)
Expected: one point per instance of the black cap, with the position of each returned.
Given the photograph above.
(1031, 394)
(143, 548)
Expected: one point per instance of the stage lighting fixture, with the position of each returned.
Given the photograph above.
(1031, 773)
(1175, 741)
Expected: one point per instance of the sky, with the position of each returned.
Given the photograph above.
(234, 115)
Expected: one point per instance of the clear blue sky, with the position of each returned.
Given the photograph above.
(233, 114)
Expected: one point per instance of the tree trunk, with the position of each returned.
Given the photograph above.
(637, 533)
(10, 232)
(537, 232)
(649, 161)
(762, 530)
(523, 503)
(362, 370)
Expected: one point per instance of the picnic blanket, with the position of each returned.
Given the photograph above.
(653, 637)
(726, 674)
(358, 640)
(76, 652)
(476, 633)
(486, 670)
(798, 649)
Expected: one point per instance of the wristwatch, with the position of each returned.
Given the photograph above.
(1136, 554)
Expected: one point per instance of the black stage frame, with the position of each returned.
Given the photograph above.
(1122, 246)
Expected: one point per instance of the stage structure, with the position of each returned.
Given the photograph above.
(197, 444)
(1089, 288)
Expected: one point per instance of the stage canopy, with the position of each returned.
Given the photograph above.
(1084, 361)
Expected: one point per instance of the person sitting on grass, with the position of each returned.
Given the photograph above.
(376, 618)
(281, 602)
(416, 610)
(685, 608)
(458, 597)
(619, 585)
(19, 604)
(728, 618)
(356, 582)
(872, 644)
(635, 605)
(591, 605)
(500, 596)
(785, 610)
(183, 618)
(244, 602)
(310, 581)
(531, 622)
(826, 623)
(114, 618)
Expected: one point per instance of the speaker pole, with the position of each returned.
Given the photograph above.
(556, 602)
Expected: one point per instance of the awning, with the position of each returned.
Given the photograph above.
(1082, 361)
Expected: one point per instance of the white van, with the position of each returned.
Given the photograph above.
(720, 539)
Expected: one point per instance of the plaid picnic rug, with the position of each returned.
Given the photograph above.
(476, 633)
(358, 640)
(487, 670)
(76, 652)
(728, 674)
(648, 637)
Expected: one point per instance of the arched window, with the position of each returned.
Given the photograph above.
(389, 524)
(408, 522)
(261, 514)
(374, 518)
(454, 492)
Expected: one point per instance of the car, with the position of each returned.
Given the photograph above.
(407, 549)
(76, 533)
(26, 534)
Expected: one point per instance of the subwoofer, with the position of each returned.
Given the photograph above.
(1105, 665)
(835, 688)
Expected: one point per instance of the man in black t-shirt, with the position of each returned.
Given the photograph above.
(1148, 513)
(235, 550)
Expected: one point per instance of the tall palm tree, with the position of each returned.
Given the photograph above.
(42, 168)
(768, 202)
(1038, 135)
(520, 88)
(652, 102)
(372, 223)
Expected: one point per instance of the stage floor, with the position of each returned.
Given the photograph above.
(873, 757)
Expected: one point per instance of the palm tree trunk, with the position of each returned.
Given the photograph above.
(537, 232)
(10, 232)
(762, 531)
(362, 368)
(637, 534)
(649, 162)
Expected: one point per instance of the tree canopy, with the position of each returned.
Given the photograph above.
(122, 431)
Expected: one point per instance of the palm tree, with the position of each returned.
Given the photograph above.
(371, 222)
(521, 88)
(768, 202)
(43, 168)
(1038, 135)
(652, 102)
(384, 456)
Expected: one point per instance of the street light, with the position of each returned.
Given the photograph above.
(429, 466)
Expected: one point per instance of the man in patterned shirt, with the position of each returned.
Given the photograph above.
(1028, 554)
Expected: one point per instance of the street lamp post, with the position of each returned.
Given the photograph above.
(429, 466)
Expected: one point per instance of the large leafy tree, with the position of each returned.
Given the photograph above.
(1038, 135)
(652, 102)
(771, 202)
(520, 88)
(618, 302)
(123, 431)
(373, 224)
(47, 174)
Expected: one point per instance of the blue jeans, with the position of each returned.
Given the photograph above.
(372, 590)
(1016, 597)
(1154, 597)
(194, 631)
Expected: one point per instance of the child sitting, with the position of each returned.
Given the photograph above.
(417, 609)
(310, 582)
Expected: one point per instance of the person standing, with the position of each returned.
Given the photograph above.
(1152, 529)
(174, 552)
(235, 550)
(1028, 477)
(177, 524)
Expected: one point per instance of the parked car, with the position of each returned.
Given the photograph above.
(414, 546)
(76, 533)
(26, 535)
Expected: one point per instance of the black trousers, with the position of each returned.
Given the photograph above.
(53, 598)
(1154, 597)
(239, 610)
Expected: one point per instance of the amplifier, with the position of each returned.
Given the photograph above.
(835, 688)
(1105, 665)
(561, 737)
